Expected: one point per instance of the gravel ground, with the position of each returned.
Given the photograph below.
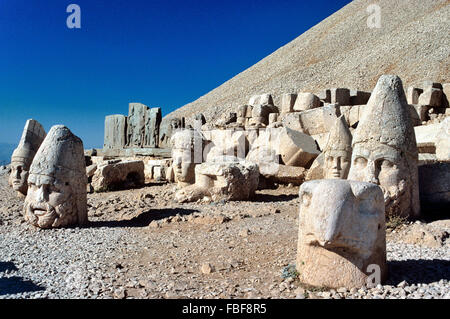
(140, 244)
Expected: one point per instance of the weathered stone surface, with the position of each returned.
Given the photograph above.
(342, 233)
(261, 99)
(288, 102)
(431, 97)
(306, 101)
(225, 142)
(340, 96)
(421, 112)
(330, 113)
(115, 131)
(288, 175)
(118, 175)
(442, 141)
(57, 183)
(434, 182)
(316, 171)
(412, 95)
(153, 119)
(136, 124)
(199, 121)
(338, 150)
(229, 180)
(359, 97)
(385, 150)
(32, 136)
(429, 84)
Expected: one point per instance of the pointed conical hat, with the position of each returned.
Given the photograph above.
(32, 136)
(387, 119)
(60, 156)
(340, 137)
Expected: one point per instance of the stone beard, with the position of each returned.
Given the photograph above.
(50, 202)
(389, 168)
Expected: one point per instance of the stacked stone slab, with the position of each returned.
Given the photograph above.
(115, 131)
(140, 129)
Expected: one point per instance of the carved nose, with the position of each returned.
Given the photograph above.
(371, 176)
(40, 195)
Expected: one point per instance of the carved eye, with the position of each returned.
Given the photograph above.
(306, 199)
(386, 164)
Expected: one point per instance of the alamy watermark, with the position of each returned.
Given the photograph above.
(374, 19)
(74, 19)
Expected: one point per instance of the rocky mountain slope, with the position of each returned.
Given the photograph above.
(342, 51)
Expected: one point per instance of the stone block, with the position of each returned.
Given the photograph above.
(118, 175)
(306, 101)
(115, 131)
(431, 97)
(288, 102)
(359, 97)
(340, 96)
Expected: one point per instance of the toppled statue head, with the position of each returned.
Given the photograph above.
(341, 233)
(338, 151)
(57, 182)
(32, 136)
(186, 144)
(385, 150)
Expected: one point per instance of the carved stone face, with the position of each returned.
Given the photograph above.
(19, 176)
(337, 164)
(50, 202)
(385, 166)
(341, 232)
(183, 165)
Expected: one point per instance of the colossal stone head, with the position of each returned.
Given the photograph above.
(186, 144)
(385, 150)
(338, 151)
(341, 233)
(57, 182)
(32, 136)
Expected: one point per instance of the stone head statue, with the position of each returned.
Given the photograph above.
(341, 232)
(338, 150)
(385, 150)
(32, 136)
(185, 145)
(57, 182)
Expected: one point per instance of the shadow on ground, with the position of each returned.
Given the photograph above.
(267, 198)
(144, 219)
(15, 285)
(418, 271)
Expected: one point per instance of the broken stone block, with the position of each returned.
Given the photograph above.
(340, 96)
(167, 129)
(153, 119)
(199, 121)
(230, 179)
(136, 124)
(316, 171)
(296, 148)
(115, 131)
(426, 137)
(288, 175)
(359, 97)
(412, 95)
(306, 101)
(431, 97)
(118, 175)
(33, 135)
(288, 102)
(342, 234)
(421, 112)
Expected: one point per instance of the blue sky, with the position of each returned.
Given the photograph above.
(161, 53)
